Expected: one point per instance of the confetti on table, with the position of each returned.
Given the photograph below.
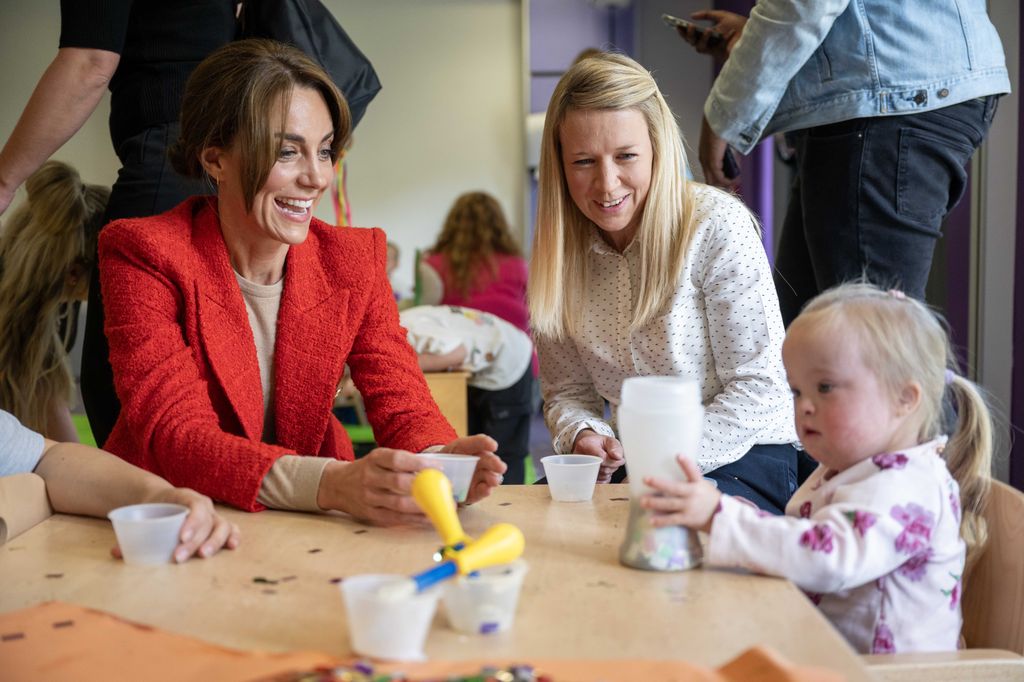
(335, 581)
(54, 575)
(63, 624)
(10, 637)
(315, 550)
(361, 531)
(620, 499)
(260, 580)
(505, 504)
(288, 578)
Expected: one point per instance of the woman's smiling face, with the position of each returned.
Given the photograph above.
(607, 158)
(282, 208)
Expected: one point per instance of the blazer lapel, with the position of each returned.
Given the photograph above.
(310, 350)
(224, 325)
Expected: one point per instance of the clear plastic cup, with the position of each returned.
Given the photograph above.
(458, 468)
(571, 478)
(484, 602)
(148, 533)
(383, 626)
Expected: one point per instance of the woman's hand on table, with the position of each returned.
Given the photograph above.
(490, 469)
(692, 503)
(204, 533)
(376, 488)
(609, 449)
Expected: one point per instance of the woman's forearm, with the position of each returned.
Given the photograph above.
(84, 480)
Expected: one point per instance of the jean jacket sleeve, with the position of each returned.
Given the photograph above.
(779, 38)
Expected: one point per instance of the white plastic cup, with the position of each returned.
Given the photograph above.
(458, 468)
(484, 602)
(659, 418)
(571, 478)
(148, 533)
(383, 626)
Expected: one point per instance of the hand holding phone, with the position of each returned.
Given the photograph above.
(693, 33)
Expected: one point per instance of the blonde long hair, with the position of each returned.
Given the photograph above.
(51, 233)
(904, 342)
(474, 231)
(559, 272)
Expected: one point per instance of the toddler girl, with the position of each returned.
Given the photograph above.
(877, 535)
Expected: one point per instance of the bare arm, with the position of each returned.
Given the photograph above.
(65, 97)
(85, 480)
(442, 362)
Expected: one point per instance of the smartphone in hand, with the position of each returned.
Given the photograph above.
(730, 168)
(714, 38)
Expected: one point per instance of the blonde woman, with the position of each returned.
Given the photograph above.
(637, 271)
(46, 257)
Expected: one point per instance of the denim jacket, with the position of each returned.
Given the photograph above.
(802, 63)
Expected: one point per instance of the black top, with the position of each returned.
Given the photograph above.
(160, 43)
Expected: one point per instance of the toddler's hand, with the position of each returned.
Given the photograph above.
(692, 504)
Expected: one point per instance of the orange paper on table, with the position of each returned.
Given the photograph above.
(56, 641)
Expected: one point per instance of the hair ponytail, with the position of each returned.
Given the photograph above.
(968, 455)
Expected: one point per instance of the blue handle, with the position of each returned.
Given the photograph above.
(434, 575)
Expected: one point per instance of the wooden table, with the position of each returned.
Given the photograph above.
(577, 601)
(449, 392)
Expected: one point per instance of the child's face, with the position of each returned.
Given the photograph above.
(844, 413)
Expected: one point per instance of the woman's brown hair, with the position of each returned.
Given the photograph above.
(237, 98)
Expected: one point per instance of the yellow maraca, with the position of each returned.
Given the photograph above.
(433, 493)
(500, 544)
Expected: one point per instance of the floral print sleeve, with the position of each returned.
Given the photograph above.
(848, 536)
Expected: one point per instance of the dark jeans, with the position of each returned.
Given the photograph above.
(869, 197)
(505, 416)
(767, 475)
(146, 185)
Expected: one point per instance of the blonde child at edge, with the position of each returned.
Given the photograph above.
(877, 535)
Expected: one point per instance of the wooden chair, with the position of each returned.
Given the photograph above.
(993, 608)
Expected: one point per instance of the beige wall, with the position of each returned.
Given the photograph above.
(448, 120)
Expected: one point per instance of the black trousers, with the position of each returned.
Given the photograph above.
(505, 416)
(767, 475)
(869, 197)
(146, 185)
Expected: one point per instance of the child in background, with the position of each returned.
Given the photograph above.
(877, 534)
(84, 480)
(47, 252)
(498, 356)
(476, 263)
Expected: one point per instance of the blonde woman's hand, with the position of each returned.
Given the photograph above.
(609, 449)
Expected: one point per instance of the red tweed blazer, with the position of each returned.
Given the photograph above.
(185, 365)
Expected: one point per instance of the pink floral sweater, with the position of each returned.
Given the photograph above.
(876, 547)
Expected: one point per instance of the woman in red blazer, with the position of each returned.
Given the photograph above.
(230, 318)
